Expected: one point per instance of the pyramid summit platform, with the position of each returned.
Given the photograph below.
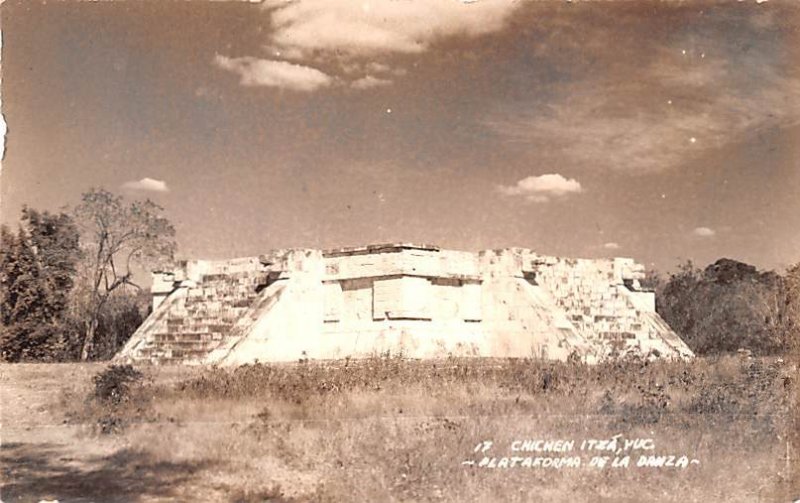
(416, 300)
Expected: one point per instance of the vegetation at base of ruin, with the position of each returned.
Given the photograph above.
(640, 391)
(729, 306)
(66, 279)
(392, 429)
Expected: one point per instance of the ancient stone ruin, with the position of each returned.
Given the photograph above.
(418, 301)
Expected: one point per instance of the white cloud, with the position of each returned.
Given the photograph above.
(148, 184)
(704, 232)
(369, 82)
(611, 246)
(541, 188)
(282, 74)
(351, 28)
(376, 67)
(357, 36)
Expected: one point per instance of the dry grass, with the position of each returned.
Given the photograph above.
(388, 429)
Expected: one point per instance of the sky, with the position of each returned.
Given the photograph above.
(658, 131)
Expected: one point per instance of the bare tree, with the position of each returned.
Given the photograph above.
(792, 319)
(117, 237)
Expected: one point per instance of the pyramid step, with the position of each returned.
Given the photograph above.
(181, 346)
(166, 360)
(173, 353)
(186, 336)
(194, 328)
(210, 316)
(207, 319)
(201, 329)
(150, 352)
(187, 353)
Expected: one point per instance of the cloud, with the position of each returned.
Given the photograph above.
(588, 132)
(357, 37)
(270, 73)
(703, 232)
(541, 188)
(352, 29)
(376, 67)
(654, 108)
(369, 82)
(611, 246)
(148, 184)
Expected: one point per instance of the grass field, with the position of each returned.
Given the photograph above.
(388, 429)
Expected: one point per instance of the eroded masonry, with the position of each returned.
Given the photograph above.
(419, 301)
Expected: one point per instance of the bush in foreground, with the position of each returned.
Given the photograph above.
(119, 398)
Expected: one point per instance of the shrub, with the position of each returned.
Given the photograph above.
(119, 398)
(725, 307)
(113, 385)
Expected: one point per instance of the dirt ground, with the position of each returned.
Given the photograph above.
(45, 457)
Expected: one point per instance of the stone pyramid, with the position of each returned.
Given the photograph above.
(416, 300)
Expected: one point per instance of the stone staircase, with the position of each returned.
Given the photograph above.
(595, 306)
(203, 320)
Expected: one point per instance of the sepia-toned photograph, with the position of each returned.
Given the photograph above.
(399, 250)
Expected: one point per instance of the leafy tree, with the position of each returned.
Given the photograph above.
(55, 241)
(792, 319)
(36, 270)
(674, 300)
(8, 272)
(727, 306)
(116, 238)
(22, 292)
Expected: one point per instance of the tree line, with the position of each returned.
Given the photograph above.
(67, 288)
(730, 306)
